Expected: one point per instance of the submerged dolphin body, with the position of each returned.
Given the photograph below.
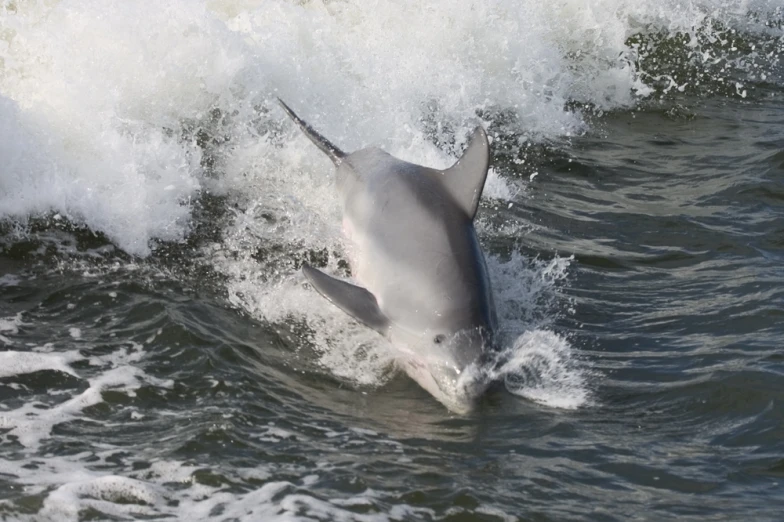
(414, 251)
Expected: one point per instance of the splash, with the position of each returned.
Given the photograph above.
(544, 367)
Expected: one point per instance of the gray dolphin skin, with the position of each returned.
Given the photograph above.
(413, 250)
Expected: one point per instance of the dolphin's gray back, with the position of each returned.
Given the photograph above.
(419, 252)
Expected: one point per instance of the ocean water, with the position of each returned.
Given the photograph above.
(163, 359)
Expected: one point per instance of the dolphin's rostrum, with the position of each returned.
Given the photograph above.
(414, 251)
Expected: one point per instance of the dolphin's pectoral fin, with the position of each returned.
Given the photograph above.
(466, 178)
(354, 300)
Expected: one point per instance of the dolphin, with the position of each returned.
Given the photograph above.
(412, 248)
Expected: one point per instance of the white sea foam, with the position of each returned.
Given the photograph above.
(9, 326)
(109, 494)
(16, 362)
(33, 422)
(70, 485)
(96, 97)
(9, 280)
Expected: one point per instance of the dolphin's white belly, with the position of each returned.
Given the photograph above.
(366, 268)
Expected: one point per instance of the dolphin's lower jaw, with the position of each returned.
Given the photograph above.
(459, 392)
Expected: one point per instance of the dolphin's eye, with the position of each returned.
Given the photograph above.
(440, 338)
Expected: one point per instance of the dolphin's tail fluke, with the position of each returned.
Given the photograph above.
(334, 153)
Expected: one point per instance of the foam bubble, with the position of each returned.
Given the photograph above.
(17, 363)
(110, 495)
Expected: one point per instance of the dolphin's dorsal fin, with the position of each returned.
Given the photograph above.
(465, 179)
(354, 300)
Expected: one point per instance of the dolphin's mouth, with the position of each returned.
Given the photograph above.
(456, 389)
